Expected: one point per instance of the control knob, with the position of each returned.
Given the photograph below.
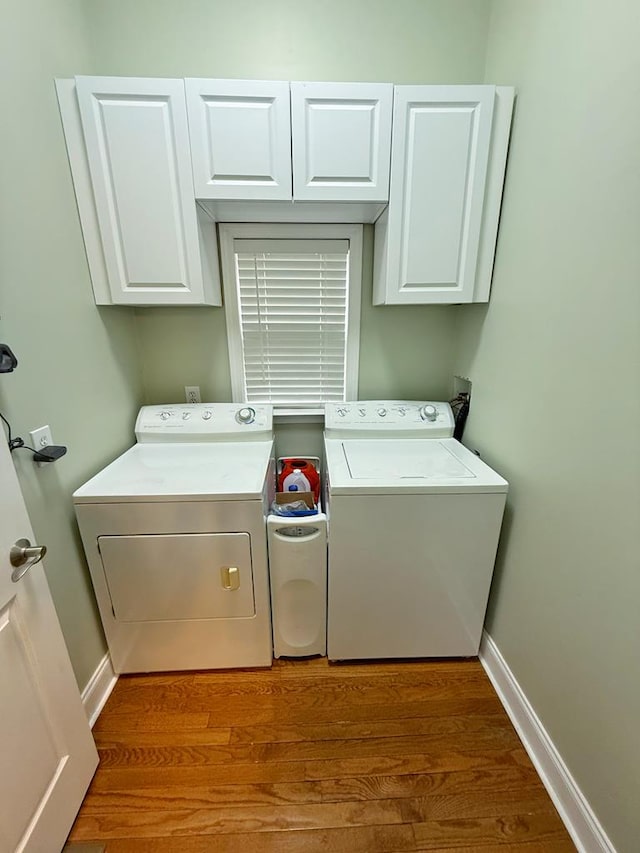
(206, 415)
(382, 412)
(165, 415)
(428, 413)
(246, 415)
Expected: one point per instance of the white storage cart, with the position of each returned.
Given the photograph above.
(298, 572)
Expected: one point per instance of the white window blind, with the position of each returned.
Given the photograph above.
(293, 319)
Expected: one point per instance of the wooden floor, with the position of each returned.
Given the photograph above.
(312, 757)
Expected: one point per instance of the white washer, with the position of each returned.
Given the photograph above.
(175, 536)
(414, 520)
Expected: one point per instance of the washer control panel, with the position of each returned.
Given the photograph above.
(204, 422)
(370, 418)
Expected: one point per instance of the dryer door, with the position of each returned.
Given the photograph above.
(155, 578)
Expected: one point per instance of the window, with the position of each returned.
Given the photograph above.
(292, 297)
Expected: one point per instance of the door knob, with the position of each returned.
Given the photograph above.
(23, 555)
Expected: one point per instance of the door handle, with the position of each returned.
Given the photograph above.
(230, 577)
(23, 555)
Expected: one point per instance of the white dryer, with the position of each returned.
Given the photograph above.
(414, 520)
(175, 537)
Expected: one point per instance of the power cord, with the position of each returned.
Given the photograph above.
(460, 408)
(45, 454)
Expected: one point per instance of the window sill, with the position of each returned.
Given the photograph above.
(298, 416)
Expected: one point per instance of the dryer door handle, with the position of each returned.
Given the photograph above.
(230, 576)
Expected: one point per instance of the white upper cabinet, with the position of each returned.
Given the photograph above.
(142, 150)
(243, 131)
(341, 136)
(240, 138)
(435, 242)
(137, 150)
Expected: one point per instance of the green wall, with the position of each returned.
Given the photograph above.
(401, 41)
(404, 351)
(554, 361)
(78, 366)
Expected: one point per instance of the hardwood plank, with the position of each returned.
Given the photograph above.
(227, 712)
(417, 785)
(442, 807)
(362, 747)
(310, 667)
(180, 754)
(162, 822)
(307, 707)
(111, 737)
(187, 749)
(506, 832)
(295, 678)
(192, 797)
(371, 728)
(113, 779)
(319, 791)
(396, 686)
(236, 715)
(360, 839)
(164, 721)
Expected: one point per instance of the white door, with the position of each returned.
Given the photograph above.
(137, 143)
(341, 141)
(240, 138)
(48, 754)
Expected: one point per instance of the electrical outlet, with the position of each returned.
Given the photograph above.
(461, 385)
(192, 393)
(40, 438)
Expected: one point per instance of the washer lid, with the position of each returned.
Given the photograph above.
(393, 466)
(182, 472)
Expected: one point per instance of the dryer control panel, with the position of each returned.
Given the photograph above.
(204, 422)
(406, 418)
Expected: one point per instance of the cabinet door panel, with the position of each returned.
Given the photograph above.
(442, 137)
(137, 141)
(240, 138)
(341, 141)
(439, 202)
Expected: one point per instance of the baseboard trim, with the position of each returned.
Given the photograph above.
(576, 813)
(98, 690)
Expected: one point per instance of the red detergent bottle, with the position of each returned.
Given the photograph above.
(298, 475)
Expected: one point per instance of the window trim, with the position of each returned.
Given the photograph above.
(228, 232)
